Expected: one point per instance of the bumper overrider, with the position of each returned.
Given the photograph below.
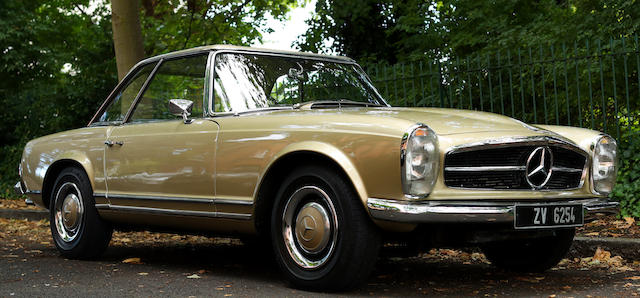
(20, 191)
(473, 211)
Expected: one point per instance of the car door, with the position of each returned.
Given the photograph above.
(157, 163)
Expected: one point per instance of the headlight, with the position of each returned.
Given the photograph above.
(603, 169)
(420, 160)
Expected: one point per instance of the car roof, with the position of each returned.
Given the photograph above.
(219, 47)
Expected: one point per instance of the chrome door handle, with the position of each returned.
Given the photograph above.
(110, 143)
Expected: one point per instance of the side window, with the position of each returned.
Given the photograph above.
(119, 106)
(181, 78)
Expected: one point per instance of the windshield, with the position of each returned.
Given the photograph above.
(245, 82)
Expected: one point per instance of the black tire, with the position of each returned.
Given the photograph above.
(347, 257)
(530, 255)
(77, 229)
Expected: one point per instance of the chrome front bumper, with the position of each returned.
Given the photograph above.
(470, 211)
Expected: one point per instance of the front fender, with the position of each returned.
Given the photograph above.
(330, 151)
(80, 158)
(582, 137)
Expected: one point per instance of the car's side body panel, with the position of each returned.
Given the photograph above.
(165, 158)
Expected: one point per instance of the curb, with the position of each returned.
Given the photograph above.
(24, 214)
(627, 248)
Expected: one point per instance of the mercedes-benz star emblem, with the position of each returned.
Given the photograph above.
(539, 164)
(309, 224)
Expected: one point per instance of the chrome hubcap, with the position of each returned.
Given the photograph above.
(68, 211)
(310, 227)
(313, 228)
(70, 207)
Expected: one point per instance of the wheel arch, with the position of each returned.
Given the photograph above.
(295, 155)
(65, 161)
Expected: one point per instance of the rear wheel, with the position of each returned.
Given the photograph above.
(323, 239)
(530, 255)
(77, 229)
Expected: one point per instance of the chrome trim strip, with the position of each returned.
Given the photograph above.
(567, 170)
(142, 90)
(177, 199)
(233, 202)
(124, 82)
(161, 199)
(471, 211)
(505, 168)
(162, 211)
(485, 168)
(517, 141)
(229, 215)
(256, 110)
(156, 210)
(208, 85)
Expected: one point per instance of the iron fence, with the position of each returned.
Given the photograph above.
(585, 84)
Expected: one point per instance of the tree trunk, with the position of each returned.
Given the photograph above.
(127, 34)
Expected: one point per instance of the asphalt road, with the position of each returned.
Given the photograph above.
(30, 267)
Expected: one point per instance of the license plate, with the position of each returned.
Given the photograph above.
(548, 216)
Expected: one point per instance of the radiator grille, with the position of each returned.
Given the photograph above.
(506, 167)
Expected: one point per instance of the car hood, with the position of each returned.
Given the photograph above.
(448, 121)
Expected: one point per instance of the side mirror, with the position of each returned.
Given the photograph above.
(181, 107)
(297, 74)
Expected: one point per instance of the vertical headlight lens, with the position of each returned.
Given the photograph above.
(603, 169)
(420, 161)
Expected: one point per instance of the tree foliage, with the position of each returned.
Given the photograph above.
(169, 26)
(628, 184)
(394, 30)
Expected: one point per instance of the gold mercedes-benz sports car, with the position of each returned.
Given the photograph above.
(300, 150)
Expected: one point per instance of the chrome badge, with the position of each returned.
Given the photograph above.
(538, 169)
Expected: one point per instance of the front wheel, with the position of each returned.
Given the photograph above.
(77, 229)
(530, 255)
(322, 237)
